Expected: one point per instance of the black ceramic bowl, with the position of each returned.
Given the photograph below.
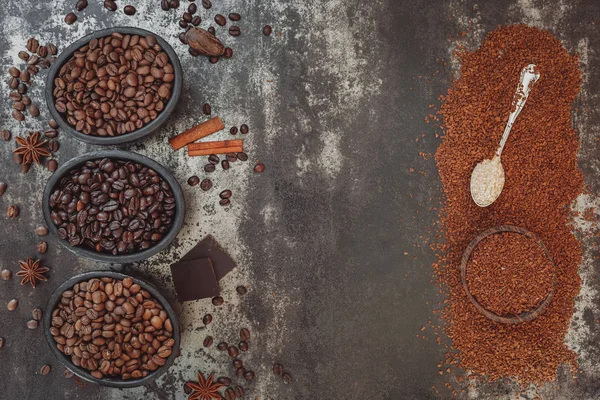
(128, 137)
(120, 155)
(83, 373)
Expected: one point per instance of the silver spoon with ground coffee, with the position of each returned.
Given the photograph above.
(487, 178)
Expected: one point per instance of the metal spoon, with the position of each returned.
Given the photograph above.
(480, 177)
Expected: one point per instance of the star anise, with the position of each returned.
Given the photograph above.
(205, 389)
(32, 271)
(32, 148)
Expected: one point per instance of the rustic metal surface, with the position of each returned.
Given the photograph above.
(333, 237)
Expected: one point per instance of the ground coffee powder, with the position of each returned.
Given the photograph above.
(542, 180)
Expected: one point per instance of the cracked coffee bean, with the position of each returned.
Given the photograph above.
(206, 184)
(240, 372)
(237, 363)
(249, 375)
(211, 30)
(241, 290)
(67, 373)
(267, 30)
(228, 52)
(208, 341)
(235, 31)
(287, 378)
(193, 180)
(207, 319)
(213, 59)
(5, 135)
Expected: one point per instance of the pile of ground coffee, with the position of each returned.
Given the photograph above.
(508, 273)
(542, 180)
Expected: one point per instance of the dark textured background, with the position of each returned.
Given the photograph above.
(333, 237)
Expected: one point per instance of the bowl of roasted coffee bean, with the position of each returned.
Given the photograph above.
(112, 329)
(114, 86)
(113, 206)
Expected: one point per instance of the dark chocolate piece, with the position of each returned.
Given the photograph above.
(209, 248)
(194, 279)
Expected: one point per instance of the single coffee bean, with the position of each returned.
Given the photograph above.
(196, 20)
(192, 8)
(224, 380)
(244, 129)
(26, 100)
(258, 168)
(32, 324)
(249, 375)
(267, 30)
(187, 17)
(5, 135)
(22, 88)
(42, 247)
(25, 76)
(244, 334)
(14, 72)
(239, 392)
(6, 274)
(129, 10)
(52, 49)
(208, 341)
(19, 106)
(164, 4)
(174, 4)
(18, 115)
(228, 52)
(34, 111)
(213, 159)
(12, 212)
(53, 146)
(81, 5)
(237, 363)
(45, 370)
(207, 319)
(110, 5)
(51, 133)
(217, 301)
(213, 59)
(241, 290)
(67, 373)
(211, 30)
(70, 18)
(206, 4)
(229, 394)
(41, 231)
(224, 202)
(12, 305)
(235, 31)
(23, 55)
(287, 378)
(52, 164)
(183, 23)
(235, 16)
(3, 187)
(42, 51)
(193, 180)
(13, 83)
(220, 20)
(206, 109)
(232, 351)
(243, 346)
(209, 168)
(231, 157)
(37, 314)
(222, 346)
(225, 165)
(242, 156)
(206, 184)
(53, 124)
(225, 194)
(240, 372)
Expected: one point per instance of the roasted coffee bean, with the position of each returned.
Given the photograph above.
(183, 23)
(42, 247)
(25, 76)
(206, 109)
(249, 375)
(213, 59)
(244, 334)
(33, 110)
(182, 38)
(231, 157)
(208, 341)
(32, 324)
(12, 305)
(235, 31)
(14, 72)
(174, 4)
(6, 274)
(193, 52)
(18, 115)
(51, 133)
(225, 165)
(37, 314)
(267, 30)
(235, 16)
(232, 351)
(53, 146)
(196, 20)
(229, 394)
(70, 18)
(224, 202)
(3, 187)
(193, 180)
(192, 8)
(19, 106)
(129, 10)
(53, 124)
(164, 4)
(67, 373)
(228, 52)
(206, 4)
(222, 346)
(237, 363)
(240, 372)
(220, 20)
(187, 17)
(81, 5)
(26, 100)
(258, 168)
(209, 168)
(243, 346)
(52, 165)
(110, 5)
(213, 159)
(211, 30)
(41, 231)
(217, 301)
(13, 83)
(244, 129)
(45, 370)
(225, 194)
(207, 319)
(233, 130)
(22, 88)
(287, 378)
(239, 392)
(23, 55)
(42, 51)
(206, 184)
(242, 156)
(241, 290)
(5, 135)
(12, 211)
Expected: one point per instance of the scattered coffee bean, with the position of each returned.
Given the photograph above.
(53, 124)
(192, 8)
(53, 146)
(193, 180)
(224, 202)
(222, 346)
(213, 59)
(12, 305)
(183, 24)
(1, 342)
(235, 31)
(6, 274)
(18, 115)
(213, 159)
(244, 129)
(249, 375)
(206, 4)
(224, 380)
(230, 394)
(237, 363)
(34, 111)
(23, 55)
(235, 16)
(196, 20)
(243, 346)
(164, 4)
(129, 10)
(231, 157)
(52, 164)
(14, 72)
(208, 341)
(81, 5)
(242, 156)
(25, 76)
(22, 88)
(244, 334)
(52, 49)
(26, 100)
(287, 378)
(209, 168)
(225, 165)
(258, 168)
(19, 106)
(32, 324)
(267, 30)
(187, 17)
(42, 247)
(5, 135)
(37, 314)
(206, 184)
(207, 319)
(110, 5)
(217, 301)
(174, 4)
(232, 351)
(3, 187)
(228, 52)
(12, 212)
(206, 109)
(240, 372)
(239, 392)
(241, 290)
(42, 51)
(67, 373)
(211, 30)
(41, 231)
(220, 20)
(225, 194)
(13, 83)
(45, 370)
(70, 18)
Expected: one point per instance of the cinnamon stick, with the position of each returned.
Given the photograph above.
(215, 147)
(197, 132)
(216, 150)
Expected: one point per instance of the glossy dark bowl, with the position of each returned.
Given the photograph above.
(128, 137)
(83, 373)
(120, 155)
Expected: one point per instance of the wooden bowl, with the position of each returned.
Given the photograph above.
(506, 319)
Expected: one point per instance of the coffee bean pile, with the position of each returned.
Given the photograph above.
(112, 327)
(114, 85)
(112, 206)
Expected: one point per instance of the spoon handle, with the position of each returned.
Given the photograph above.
(529, 76)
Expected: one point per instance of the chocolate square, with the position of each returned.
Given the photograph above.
(194, 279)
(209, 248)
